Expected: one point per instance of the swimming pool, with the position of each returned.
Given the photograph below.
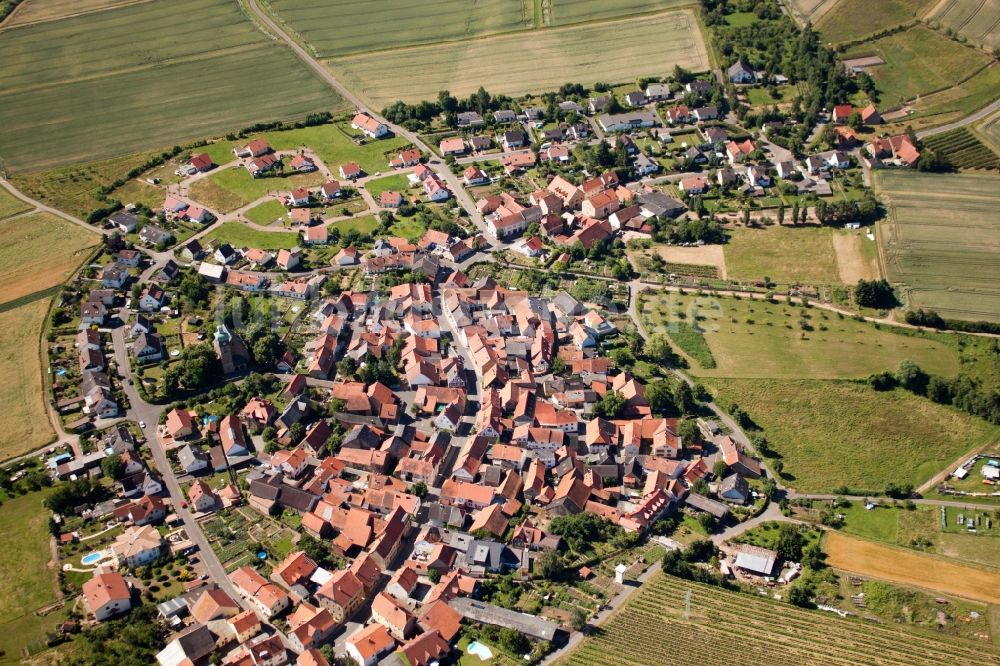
(92, 558)
(480, 650)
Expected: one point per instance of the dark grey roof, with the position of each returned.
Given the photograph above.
(479, 611)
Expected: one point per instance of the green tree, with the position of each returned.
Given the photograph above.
(684, 398)
(113, 467)
(419, 488)
(267, 349)
(611, 406)
(720, 468)
(550, 564)
(912, 378)
(789, 543)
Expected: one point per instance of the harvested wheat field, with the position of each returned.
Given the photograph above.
(509, 64)
(897, 565)
(856, 257)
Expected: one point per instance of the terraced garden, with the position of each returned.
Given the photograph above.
(727, 627)
(942, 241)
(964, 150)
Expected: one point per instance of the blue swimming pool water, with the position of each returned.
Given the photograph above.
(92, 558)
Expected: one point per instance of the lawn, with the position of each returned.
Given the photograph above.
(267, 212)
(11, 205)
(363, 225)
(322, 23)
(942, 241)
(409, 228)
(240, 235)
(728, 626)
(973, 19)
(229, 189)
(586, 53)
(837, 433)
(918, 61)
(30, 260)
(397, 182)
(767, 340)
(785, 254)
(152, 89)
(26, 583)
(854, 19)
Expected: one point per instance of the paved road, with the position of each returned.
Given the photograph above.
(971, 118)
(140, 410)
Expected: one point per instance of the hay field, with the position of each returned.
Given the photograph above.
(739, 628)
(853, 19)
(142, 76)
(31, 11)
(529, 61)
(37, 252)
(977, 20)
(857, 257)
(338, 27)
(785, 254)
(838, 433)
(757, 339)
(942, 241)
(952, 103)
(575, 11)
(869, 558)
(919, 61)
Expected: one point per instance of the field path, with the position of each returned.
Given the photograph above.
(911, 568)
(454, 184)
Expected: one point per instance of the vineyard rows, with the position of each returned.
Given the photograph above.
(731, 627)
(964, 150)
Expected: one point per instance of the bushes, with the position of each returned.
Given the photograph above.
(875, 294)
(683, 564)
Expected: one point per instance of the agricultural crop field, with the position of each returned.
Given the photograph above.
(724, 627)
(918, 61)
(922, 528)
(977, 20)
(809, 10)
(854, 19)
(753, 338)
(942, 241)
(838, 433)
(338, 27)
(123, 80)
(964, 150)
(31, 11)
(576, 11)
(586, 53)
(908, 567)
(31, 265)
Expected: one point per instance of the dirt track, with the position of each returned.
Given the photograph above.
(898, 565)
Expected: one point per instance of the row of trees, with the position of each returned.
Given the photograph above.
(962, 391)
